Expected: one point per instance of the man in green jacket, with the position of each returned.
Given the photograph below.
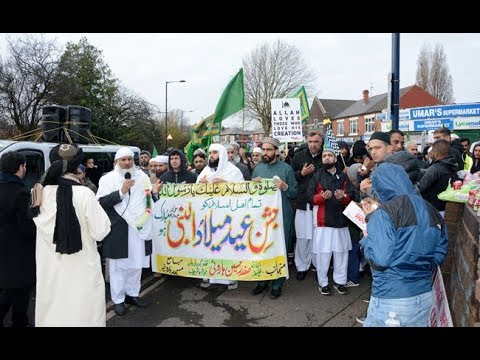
(272, 168)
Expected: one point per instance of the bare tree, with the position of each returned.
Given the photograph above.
(26, 80)
(273, 71)
(433, 73)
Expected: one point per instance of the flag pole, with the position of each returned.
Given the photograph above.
(341, 156)
(243, 126)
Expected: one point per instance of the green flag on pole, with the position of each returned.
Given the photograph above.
(304, 108)
(232, 99)
(154, 152)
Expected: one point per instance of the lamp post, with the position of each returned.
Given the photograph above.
(166, 108)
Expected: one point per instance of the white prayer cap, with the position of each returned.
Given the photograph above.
(454, 137)
(257, 150)
(229, 147)
(152, 160)
(162, 159)
(215, 147)
(123, 152)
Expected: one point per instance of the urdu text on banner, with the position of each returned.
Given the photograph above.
(220, 231)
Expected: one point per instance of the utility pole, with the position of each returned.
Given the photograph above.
(395, 101)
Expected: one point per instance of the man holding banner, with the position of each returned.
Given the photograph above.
(285, 180)
(219, 169)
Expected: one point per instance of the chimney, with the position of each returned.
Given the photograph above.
(365, 96)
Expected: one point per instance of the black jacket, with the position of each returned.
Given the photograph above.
(435, 181)
(330, 211)
(115, 245)
(300, 158)
(408, 161)
(183, 176)
(17, 234)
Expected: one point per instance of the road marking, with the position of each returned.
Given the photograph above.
(160, 281)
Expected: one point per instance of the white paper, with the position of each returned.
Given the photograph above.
(356, 214)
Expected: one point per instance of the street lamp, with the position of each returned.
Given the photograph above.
(166, 108)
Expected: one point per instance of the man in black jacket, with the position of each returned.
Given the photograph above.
(438, 175)
(17, 240)
(127, 196)
(305, 162)
(177, 169)
(331, 191)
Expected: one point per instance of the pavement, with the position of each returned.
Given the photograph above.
(181, 302)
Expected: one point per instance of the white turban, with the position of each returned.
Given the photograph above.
(162, 159)
(152, 160)
(257, 150)
(123, 152)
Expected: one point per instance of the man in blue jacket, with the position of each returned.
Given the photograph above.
(406, 241)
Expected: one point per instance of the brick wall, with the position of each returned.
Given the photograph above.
(462, 265)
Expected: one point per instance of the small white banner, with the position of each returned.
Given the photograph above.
(440, 314)
(286, 120)
(356, 214)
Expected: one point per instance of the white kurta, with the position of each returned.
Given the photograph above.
(70, 288)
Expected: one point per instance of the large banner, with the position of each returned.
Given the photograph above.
(220, 231)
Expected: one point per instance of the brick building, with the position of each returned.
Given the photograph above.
(361, 119)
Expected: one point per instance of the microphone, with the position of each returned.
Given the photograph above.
(128, 176)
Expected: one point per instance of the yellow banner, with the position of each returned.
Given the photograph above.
(220, 231)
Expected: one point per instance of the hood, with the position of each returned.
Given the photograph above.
(456, 144)
(406, 160)
(390, 180)
(448, 162)
(183, 159)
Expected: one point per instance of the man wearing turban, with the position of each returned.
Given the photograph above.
(126, 195)
(70, 285)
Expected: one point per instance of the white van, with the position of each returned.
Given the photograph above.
(38, 161)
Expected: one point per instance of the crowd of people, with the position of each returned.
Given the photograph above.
(50, 245)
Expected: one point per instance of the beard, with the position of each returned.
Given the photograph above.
(268, 159)
(144, 163)
(328, 166)
(124, 171)
(213, 163)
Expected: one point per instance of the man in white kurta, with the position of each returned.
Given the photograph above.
(126, 195)
(219, 169)
(70, 287)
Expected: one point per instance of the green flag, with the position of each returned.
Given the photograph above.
(154, 152)
(232, 99)
(304, 108)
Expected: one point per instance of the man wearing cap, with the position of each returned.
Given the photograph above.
(218, 170)
(287, 184)
(70, 286)
(256, 156)
(381, 150)
(162, 165)
(330, 191)
(127, 196)
(379, 147)
(82, 174)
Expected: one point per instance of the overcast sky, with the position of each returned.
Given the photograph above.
(345, 64)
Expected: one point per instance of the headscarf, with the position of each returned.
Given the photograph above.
(225, 170)
(65, 158)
